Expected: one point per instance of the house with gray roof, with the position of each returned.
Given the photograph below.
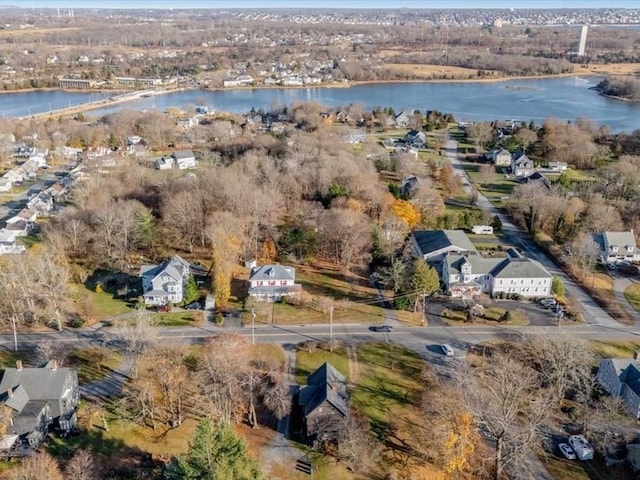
(618, 247)
(184, 159)
(325, 404)
(521, 165)
(269, 283)
(467, 275)
(165, 283)
(37, 399)
(433, 245)
(620, 377)
(500, 157)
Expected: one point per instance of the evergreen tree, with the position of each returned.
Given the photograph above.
(191, 291)
(424, 279)
(215, 453)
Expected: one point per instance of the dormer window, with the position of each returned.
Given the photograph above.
(614, 249)
(629, 248)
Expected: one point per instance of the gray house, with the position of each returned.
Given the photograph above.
(37, 399)
(166, 282)
(620, 377)
(521, 165)
(325, 404)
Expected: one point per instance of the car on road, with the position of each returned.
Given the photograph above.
(447, 350)
(382, 328)
(580, 446)
(194, 306)
(566, 451)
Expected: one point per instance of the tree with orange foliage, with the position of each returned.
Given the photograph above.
(406, 212)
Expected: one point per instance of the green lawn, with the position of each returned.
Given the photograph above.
(496, 185)
(578, 175)
(492, 315)
(105, 305)
(175, 319)
(93, 363)
(632, 294)
(615, 349)
(307, 362)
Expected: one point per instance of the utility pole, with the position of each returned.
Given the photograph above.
(253, 326)
(331, 328)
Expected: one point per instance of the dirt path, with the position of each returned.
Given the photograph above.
(279, 453)
(354, 365)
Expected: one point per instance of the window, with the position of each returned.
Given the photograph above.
(283, 282)
(259, 283)
(272, 283)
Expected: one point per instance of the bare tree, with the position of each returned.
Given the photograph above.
(505, 400)
(480, 133)
(486, 173)
(51, 282)
(83, 466)
(356, 445)
(582, 253)
(40, 466)
(136, 336)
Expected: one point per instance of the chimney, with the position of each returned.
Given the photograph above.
(636, 355)
(19, 365)
(10, 392)
(54, 364)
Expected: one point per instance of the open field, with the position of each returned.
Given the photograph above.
(632, 294)
(619, 349)
(429, 71)
(492, 316)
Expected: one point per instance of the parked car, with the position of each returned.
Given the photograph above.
(382, 328)
(447, 350)
(581, 447)
(163, 308)
(194, 306)
(566, 451)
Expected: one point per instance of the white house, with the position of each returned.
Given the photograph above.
(8, 245)
(184, 159)
(163, 163)
(416, 138)
(166, 282)
(620, 377)
(270, 283)
(558, 166)
(619, 247)
(470, 274)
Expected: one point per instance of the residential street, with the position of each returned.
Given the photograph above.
(593, 313)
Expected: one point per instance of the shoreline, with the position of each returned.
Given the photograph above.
(123, 96)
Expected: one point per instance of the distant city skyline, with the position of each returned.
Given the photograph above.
(335, 4)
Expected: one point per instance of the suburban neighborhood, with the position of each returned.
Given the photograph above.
(288, 289)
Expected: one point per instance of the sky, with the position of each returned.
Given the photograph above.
(228, 4)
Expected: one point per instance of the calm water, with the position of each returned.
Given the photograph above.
(566, 98)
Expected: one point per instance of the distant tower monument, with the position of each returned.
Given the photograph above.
(583, 40)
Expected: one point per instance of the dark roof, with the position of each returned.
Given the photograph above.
(325, 384)
(632, 379)
(40, 383)
(16, 400)
(180, 154)
(433, 240)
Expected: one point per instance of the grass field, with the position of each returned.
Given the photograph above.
(615, 349)
(632, 294)
(93, 363)
(456, 318)
(176, 319)
(105, 305)
(496, 185)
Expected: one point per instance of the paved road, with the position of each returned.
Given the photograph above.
(416, 338)
(593, 313)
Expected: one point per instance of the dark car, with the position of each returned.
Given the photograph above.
(194, 306)
(382, 328)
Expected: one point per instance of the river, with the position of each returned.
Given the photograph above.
(531, 99)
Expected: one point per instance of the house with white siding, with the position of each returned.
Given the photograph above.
(270, 283)
(165, 283)
(618, 247)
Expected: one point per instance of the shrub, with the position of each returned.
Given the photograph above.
(77, 322)
(219, 319)
(99, 288)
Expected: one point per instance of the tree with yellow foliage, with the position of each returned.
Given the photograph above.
(222, 233)
(406, 212)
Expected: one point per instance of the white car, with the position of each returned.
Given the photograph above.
(447, 350)
(566, 451)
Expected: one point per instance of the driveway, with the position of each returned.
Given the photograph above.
(620, 284)
(592, 312)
